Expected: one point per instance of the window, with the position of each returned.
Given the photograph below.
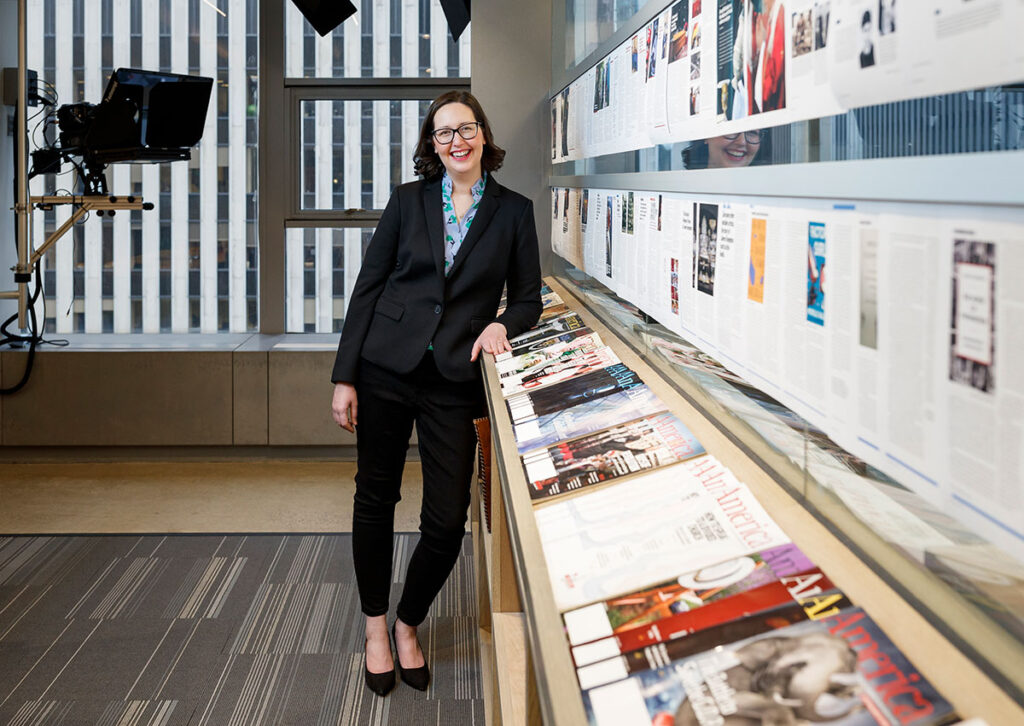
(354, 142)
(188, 265)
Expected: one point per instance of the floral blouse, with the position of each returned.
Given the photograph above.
(455, 231)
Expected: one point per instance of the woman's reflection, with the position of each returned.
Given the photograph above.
(723, 152)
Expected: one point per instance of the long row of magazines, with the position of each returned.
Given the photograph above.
(683, 602)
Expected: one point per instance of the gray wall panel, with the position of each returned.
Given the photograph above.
(511, 59)
(120, 398)
(249, 396)
(299, 394)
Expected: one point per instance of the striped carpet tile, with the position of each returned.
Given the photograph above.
(215, 630)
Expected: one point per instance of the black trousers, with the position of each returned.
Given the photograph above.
(443, 412)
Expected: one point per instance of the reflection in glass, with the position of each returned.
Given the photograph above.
(729, 151)
(984, 120)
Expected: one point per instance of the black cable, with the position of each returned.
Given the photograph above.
(33, 338)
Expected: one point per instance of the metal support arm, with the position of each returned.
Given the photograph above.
(84, 205)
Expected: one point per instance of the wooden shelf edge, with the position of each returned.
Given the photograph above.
(512, 667)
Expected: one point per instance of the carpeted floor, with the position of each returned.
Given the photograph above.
(223, 630)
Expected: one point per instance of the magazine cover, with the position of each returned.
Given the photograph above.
(550, 329)
(547, 295)
(544, 343)
(627, 448)
(659, 654)
(556, 371)
(813, 591)
(840, 670)
(509, 365)
(687, 592)
(616, 539)
(530, 404)
(555, 310)
(816, 285)
(586, 417)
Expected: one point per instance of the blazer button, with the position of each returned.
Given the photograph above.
(437, 310)
(397, 265)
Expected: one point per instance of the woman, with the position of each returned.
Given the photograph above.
(422, 310)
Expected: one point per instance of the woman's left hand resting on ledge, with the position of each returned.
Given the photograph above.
(493, 340)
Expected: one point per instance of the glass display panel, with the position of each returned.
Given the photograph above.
(984, 120)
(926, 549)
(589, 23)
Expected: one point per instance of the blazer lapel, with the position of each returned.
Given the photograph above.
(489, 204)
(435, 222)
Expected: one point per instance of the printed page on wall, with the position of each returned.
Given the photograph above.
(909, 328)
(730, 276)
(663, 284)
(628, 97)
(658, 32)
(981, 372)
(889, 50)
(763, 292)
(683, 72)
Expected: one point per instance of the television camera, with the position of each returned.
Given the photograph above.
(144, 116)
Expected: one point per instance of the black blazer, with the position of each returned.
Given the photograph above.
(402, 301)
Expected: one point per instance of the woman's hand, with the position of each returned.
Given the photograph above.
(345, 405)
(492, 340)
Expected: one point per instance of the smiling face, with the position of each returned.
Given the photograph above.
(462, 157)
(724, 151)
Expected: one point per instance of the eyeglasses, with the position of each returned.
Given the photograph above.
(751, 137)
(466, 131)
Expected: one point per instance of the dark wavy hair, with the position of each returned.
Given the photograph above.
(427, 163)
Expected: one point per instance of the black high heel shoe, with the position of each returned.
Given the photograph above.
(380, 683)
(418, 678)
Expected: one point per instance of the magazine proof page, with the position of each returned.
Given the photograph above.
(630, 535)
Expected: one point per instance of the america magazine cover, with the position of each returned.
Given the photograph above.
(840, 670)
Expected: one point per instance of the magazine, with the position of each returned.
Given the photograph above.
(661, 653)
(547, 297)
(508, 365)
(645, 443)
(556, 371)
(544, 343)
(555, 310)
(617, 539)
(528, 405)
(686, 592)
(550, 329)
(590, 415)
(812, 590)
(840, 670)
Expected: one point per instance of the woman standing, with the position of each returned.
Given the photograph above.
(423, 308)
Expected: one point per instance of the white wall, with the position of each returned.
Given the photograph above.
(511, 79)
